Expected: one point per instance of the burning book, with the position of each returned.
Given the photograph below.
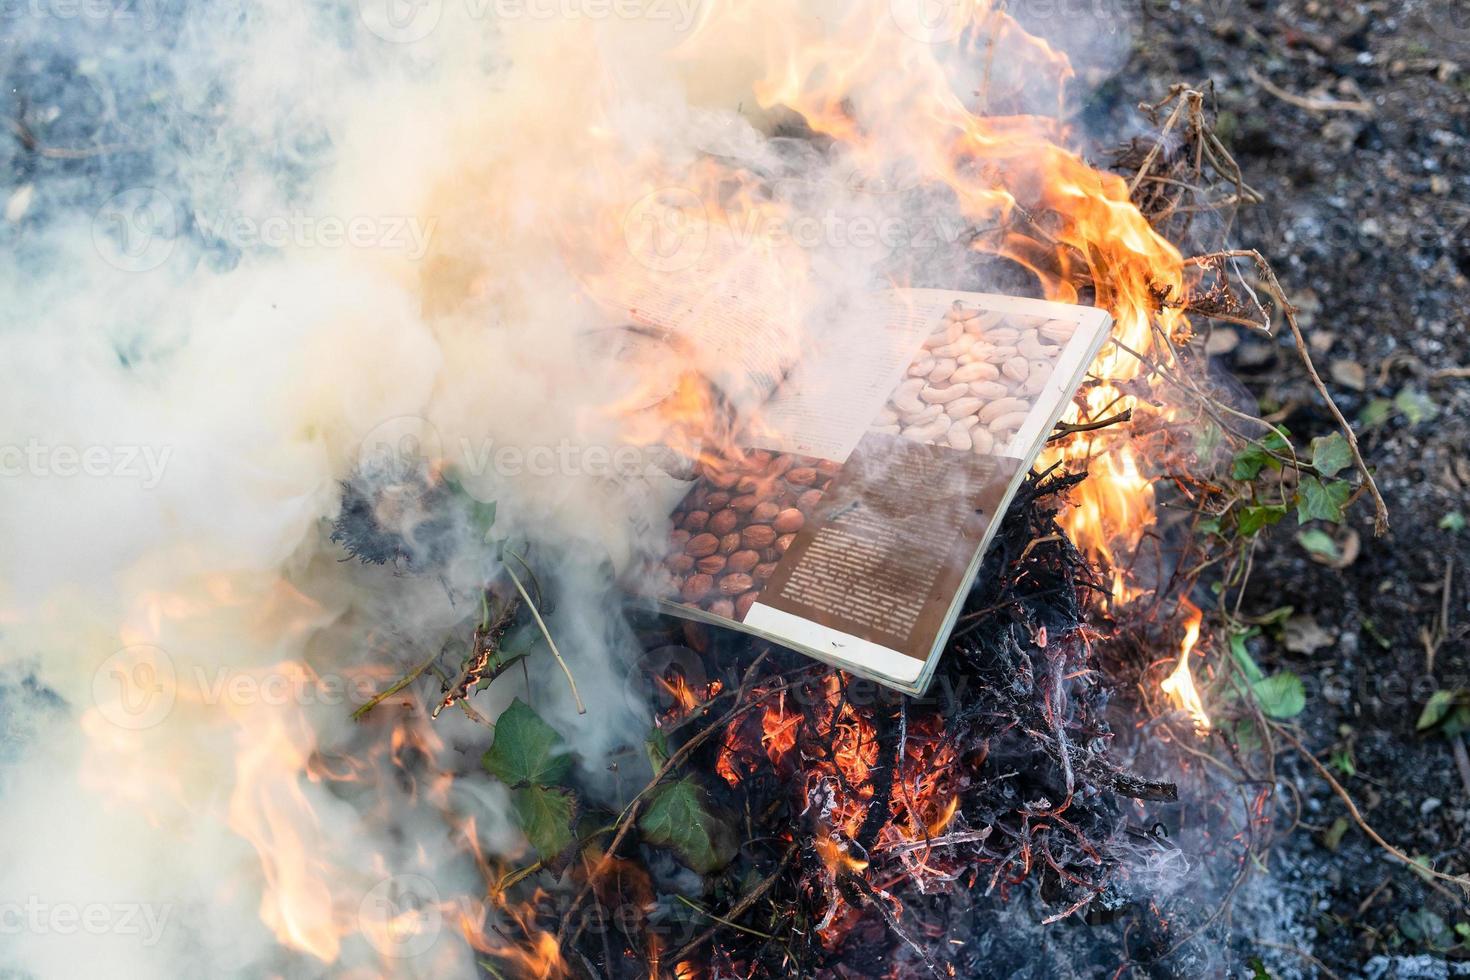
(855, 530)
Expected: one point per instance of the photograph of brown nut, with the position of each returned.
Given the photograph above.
(722, 522)
(696, 587)
(788, 521)
(701, 545)
(758, 536)
(735, 583)
(765, 511)
(974, 381)
(743, 561)
(737, 521)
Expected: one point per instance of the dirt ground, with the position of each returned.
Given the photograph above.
(1353, 121)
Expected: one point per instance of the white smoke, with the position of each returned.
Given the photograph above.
(247, 241)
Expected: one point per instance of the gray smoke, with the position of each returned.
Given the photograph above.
(245, 247)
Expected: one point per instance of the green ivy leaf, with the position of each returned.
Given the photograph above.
(1454, 522)
(1256, 516)
(1318, 542)
(545, 814)
(1331, 454)
(1437, 709)
(1426, 928)
(1415, 405)
(1244, 735)
(1247, 464)
(526, 751)
(1375, 413)
(1318, 501)
(1281, 695)
(657, 747)
(482, 516)
(1207, 440)
(679, 817)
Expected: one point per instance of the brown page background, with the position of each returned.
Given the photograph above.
(889, 544)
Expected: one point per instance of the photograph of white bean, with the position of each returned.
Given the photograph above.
(975, 379)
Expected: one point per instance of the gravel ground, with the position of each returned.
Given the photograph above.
(1362, 153)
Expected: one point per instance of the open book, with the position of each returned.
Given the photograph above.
(875, 469)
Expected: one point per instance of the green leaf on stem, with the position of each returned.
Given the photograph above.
(526, 751)
(679, 817)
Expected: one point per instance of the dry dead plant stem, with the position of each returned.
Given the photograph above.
(1263, 268)
(393, 689)
(1190, 97)
(1462, 760)
(1363, 825)
(1311, 103)
(536, 614)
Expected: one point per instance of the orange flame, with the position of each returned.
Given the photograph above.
(1180, 684)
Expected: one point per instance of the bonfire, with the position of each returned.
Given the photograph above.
(536, 772)
(1064, 757)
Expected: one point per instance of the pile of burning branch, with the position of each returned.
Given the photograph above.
(865, 815)
(833, 823)
(793, 820)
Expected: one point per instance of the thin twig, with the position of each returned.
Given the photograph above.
(739, 909)
(536, 614)
(397, 686)
(1462, 760)
(1312, 103)
(1153, 152)
(1064, 429)
(1321, 967)
(1380, 521)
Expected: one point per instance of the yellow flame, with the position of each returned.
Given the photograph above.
(1180, 684)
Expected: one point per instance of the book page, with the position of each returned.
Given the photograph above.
(890, 543)
(826, 404)
(996, 373)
